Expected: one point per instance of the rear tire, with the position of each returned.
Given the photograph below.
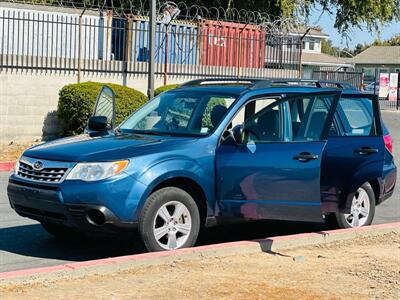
(362, 210)
(169, 220)
(57, 230)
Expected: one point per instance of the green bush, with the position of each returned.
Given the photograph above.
(76, 104)
(214, 101)
(165, 88)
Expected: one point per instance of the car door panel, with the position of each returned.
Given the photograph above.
(350, 161)
(274, 180)
(251, 192)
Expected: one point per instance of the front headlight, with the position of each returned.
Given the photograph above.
(97, 171)
(16, 167)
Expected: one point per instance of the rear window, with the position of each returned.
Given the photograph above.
(356, 116)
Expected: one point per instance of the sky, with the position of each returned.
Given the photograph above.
(356, 36)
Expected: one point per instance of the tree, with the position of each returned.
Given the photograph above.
(349, 13)
(393, 41)
(328, 48)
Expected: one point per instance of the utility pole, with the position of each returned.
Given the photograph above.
(152, 32)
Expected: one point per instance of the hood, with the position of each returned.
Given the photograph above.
(91, 148)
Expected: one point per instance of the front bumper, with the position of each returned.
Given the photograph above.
(46, 203)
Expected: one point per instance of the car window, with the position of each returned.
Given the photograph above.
(308, 117)
(179, 112)
(264, 126)
(356, 116)
(260, 120)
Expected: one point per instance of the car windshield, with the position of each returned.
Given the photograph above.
(179, 113)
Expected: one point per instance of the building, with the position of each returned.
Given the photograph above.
(312, 58)
(377, 59)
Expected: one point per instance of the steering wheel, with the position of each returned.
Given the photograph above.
(226, 135)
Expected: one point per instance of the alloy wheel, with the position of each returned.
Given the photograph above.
(172, 225)
(360, 209)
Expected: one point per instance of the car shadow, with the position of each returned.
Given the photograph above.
(32, 241)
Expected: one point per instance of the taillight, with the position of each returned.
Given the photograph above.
(388, 142)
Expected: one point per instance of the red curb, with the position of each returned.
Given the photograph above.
(6, 166)
(153, 255)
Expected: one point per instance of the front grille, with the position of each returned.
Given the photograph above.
(52, 174)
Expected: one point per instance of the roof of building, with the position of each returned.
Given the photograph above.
(378, 55)
(312, 32)
(322, 59)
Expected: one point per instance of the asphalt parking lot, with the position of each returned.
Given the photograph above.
(24, 244)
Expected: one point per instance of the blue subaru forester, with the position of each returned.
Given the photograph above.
(213, 150)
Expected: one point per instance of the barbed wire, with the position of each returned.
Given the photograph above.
(278, 26)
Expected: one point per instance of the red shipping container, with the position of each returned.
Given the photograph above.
(221, 43)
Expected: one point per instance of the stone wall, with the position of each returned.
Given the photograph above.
(28, 99)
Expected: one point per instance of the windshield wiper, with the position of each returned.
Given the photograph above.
(150, 132)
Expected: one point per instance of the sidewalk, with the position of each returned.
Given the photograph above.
(361, 268)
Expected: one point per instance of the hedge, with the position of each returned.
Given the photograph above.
(76, 103)
(165, 88)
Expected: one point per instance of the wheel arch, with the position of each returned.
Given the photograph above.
(191, 187)
(347, 197)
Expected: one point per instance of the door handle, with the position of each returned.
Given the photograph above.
(305, 157)
(366, 150)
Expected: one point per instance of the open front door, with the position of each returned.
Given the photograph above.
(103, 117)
(275, 172)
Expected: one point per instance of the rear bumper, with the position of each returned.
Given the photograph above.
(44, 205)
(388, 184)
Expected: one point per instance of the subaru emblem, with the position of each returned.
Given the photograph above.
(38, 165)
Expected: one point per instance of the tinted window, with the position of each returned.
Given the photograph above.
(356, 116)
(308, 117)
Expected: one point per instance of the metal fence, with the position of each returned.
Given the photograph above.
(354, 78)
(98, 42)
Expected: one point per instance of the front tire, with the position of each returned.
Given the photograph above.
(169, 220)
(362, 210)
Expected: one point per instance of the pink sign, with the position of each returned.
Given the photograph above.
(383, 85)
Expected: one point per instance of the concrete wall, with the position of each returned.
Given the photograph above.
(28, 99)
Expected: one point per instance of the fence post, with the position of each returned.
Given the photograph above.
(152, 52)
(166, 55)
(129, 29)
(128, 49)
(398, 91)
(80, 46)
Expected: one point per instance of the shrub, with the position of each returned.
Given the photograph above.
(165, 88)
(206, 122)
(76, 104)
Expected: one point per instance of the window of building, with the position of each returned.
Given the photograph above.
(311, 45)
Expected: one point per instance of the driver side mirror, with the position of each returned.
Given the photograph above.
(237, 134)
(98, 123)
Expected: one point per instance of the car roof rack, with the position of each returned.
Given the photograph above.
(218, 81)
(266, 83)
(296, 82)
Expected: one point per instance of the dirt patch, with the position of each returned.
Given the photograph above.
(13, 151)
(360, 268)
